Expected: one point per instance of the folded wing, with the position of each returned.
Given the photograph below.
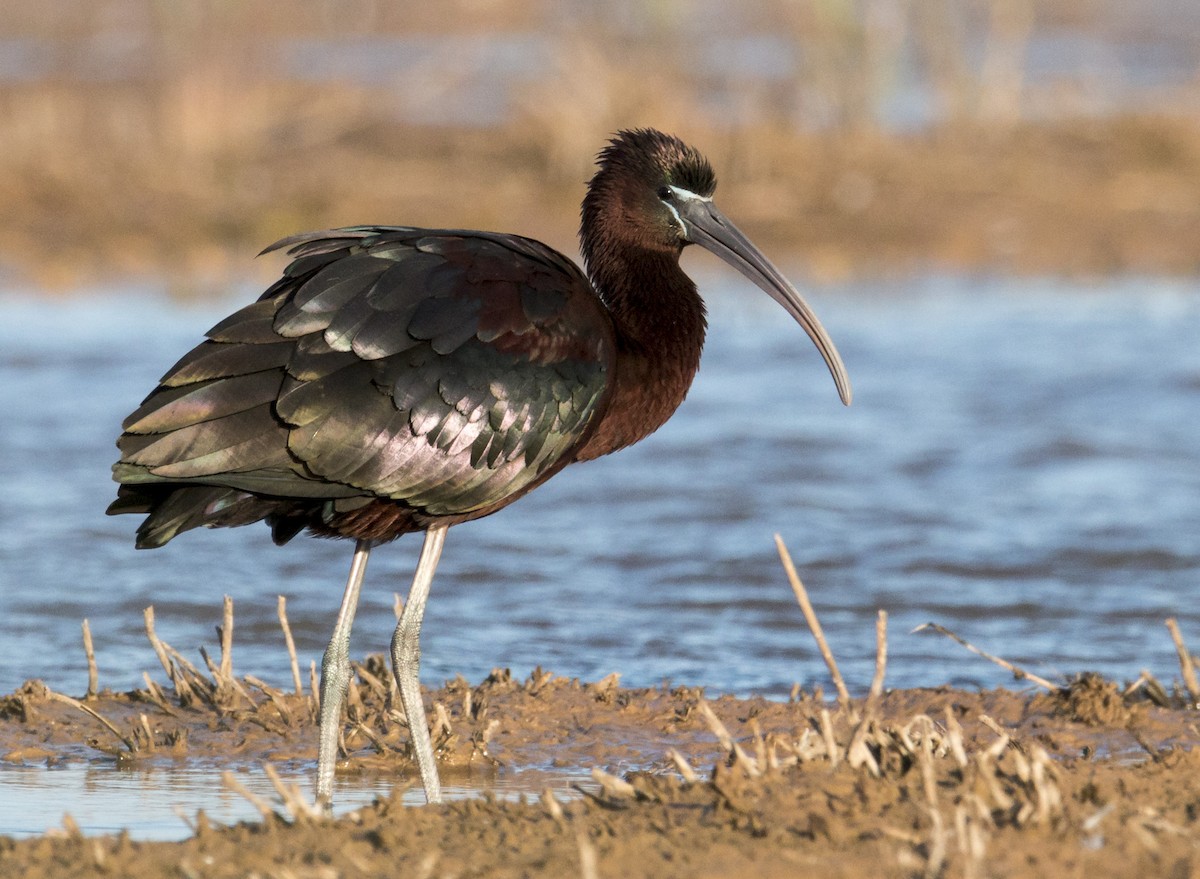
(444, 372)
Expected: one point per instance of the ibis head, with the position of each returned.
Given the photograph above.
(654, 193)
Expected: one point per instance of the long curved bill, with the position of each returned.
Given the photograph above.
(708, 227)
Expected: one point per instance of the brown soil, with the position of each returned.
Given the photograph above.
(1079, 197)
(1088, 781)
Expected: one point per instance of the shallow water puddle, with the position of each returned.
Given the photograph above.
(157, 803)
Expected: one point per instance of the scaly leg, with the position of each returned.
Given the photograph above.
(335, 678)
(406, 661)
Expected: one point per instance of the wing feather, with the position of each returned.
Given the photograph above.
(210, 360)
(445, 371)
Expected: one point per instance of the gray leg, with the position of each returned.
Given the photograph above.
(335, 677)
(406, 661)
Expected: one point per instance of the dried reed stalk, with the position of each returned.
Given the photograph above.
(183, 690)
(954, 736)
(354, 703)
(684, 767)
(376, 686)
(611, 786)
(1187, 665)
(264, 808)
(93, 674)
(155, 694)
(129, 744)
(724, 739)
(553, 806)
(274, 695)
(294, 801)
(814, 624)
(192, 677)
(225, 634)
(441, 722)
(145, 721)
(159, 650)
(876, 691)
(937, 841)
(371, 736)
(587, 855)
(1017, 672)
(291, 645)
(857, 752)
(226, 685)
(831, 748)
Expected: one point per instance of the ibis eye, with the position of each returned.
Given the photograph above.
(664, 192)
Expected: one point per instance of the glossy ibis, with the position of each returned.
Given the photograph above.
(398, 379)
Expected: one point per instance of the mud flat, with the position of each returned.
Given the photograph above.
(1090, 779)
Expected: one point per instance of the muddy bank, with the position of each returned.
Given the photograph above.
(1091, 780)
(1072, 197)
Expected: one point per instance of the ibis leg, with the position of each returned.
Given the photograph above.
(335, 677)
(406, 661)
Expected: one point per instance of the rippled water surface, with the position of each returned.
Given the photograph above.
(1021, 464)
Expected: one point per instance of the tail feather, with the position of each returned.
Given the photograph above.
(174, 509)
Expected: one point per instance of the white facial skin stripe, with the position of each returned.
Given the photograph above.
(683, 195)
(687, 194)
(678, 219)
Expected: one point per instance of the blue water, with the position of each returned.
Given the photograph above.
(161, 801)
(1021, 464)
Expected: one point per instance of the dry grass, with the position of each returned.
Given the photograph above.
(168, 139)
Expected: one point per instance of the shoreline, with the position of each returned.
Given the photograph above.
(907, 783)
(1073, 198)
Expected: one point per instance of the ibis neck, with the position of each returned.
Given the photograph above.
(660, 324)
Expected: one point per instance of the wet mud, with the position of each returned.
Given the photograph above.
(1093, 779)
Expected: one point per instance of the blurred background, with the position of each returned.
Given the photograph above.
(869, 137)
(993, 205)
